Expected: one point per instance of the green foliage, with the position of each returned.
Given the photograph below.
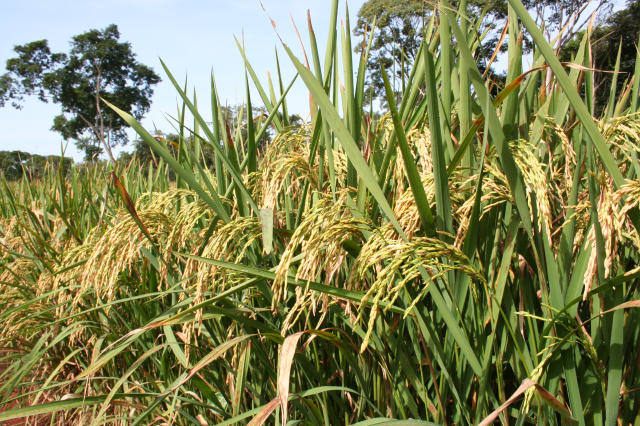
(232, 119)
(97, 66)
(464, 258)
(619, 30)
(17, 164)
(400, 26)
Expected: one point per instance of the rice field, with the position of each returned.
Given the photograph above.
(461, 258)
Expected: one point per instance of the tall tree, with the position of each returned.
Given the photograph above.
(400, 25)
(620, 28)
(397, 36)
(16, 164)
(98, 66)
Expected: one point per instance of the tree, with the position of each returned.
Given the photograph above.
(97, 66)
(396, 39)
(400, 25)
(235, 118)
(16, 164)
(621, 27)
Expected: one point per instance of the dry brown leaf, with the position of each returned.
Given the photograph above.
(526, 384)
(264, 414)
(287, 351)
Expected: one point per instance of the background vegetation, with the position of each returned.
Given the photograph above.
(464, 258)
(98, 66)
(17, 164)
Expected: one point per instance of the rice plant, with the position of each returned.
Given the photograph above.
(462, 258)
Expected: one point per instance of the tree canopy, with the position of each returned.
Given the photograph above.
(97, 66)
(400, 25)
(235, 120)
(619, 30)
(16, 164)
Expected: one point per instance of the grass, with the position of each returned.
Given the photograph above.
(464, 258)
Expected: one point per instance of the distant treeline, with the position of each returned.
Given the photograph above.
(15, 164)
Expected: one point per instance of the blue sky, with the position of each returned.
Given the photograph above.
(192, 37)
